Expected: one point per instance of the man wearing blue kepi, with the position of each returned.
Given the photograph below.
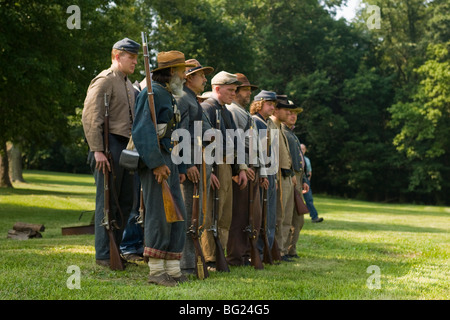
(261, 109)
(113, 83)
(164, 241)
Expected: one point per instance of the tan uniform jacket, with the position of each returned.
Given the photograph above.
(285, 154)
(121, 98)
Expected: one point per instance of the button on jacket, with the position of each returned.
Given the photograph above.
(121, 97)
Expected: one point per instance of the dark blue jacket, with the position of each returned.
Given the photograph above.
(144, 133)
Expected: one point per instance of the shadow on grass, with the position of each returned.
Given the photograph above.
(371, 226)
(328, 268)
(40, 192)
(68, 182)
(47, 178)
(329, 205)
(52, 219)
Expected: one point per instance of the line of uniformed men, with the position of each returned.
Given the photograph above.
(177, 84)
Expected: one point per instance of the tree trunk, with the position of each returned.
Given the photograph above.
(15, 163)
(5, 182)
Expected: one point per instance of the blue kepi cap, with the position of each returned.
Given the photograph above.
(266, 95)
(127, 45)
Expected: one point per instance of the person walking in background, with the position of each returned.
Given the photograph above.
(308, 196)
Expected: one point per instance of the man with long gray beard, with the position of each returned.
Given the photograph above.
(163, 241)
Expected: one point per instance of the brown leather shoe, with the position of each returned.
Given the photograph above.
(162, 280)
(103, 262)
(181, 279)
(132, 257)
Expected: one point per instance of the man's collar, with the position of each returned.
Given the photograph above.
(276, 121)
(189, 90)
(120, 73)
(260, 116)
(217, 101)
(237, 104)
(164, 85)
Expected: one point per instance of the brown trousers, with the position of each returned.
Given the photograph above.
(225, 194)
(285, 208)
(238, 247)
(297, 222)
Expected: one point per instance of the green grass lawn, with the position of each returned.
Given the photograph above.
(407, 244)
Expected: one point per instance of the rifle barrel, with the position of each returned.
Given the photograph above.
(200, 265)
(221, 262)
(252, 233)
(115, 261)
(267, 256)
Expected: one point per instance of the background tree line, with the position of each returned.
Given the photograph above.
(376, 101)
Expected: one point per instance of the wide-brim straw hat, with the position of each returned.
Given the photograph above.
(197, 67)
(205, 95)
(171, 59)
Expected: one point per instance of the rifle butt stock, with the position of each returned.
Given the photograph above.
(275, 251)
(173, 212)
(252, 232)
(267, 256)
(255, 257)
(115, 260)
(221, 261)
(201, 269)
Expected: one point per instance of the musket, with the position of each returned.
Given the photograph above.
(115, 261)
(172, 211)
(252, 233)
(141, 217)
(276, 255)
(221, 262)
(201, 269)
(267, 256)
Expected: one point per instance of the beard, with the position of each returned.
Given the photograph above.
(176, 85)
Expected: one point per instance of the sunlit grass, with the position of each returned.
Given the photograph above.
(409, 244)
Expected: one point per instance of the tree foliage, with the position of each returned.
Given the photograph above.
(376, 102)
